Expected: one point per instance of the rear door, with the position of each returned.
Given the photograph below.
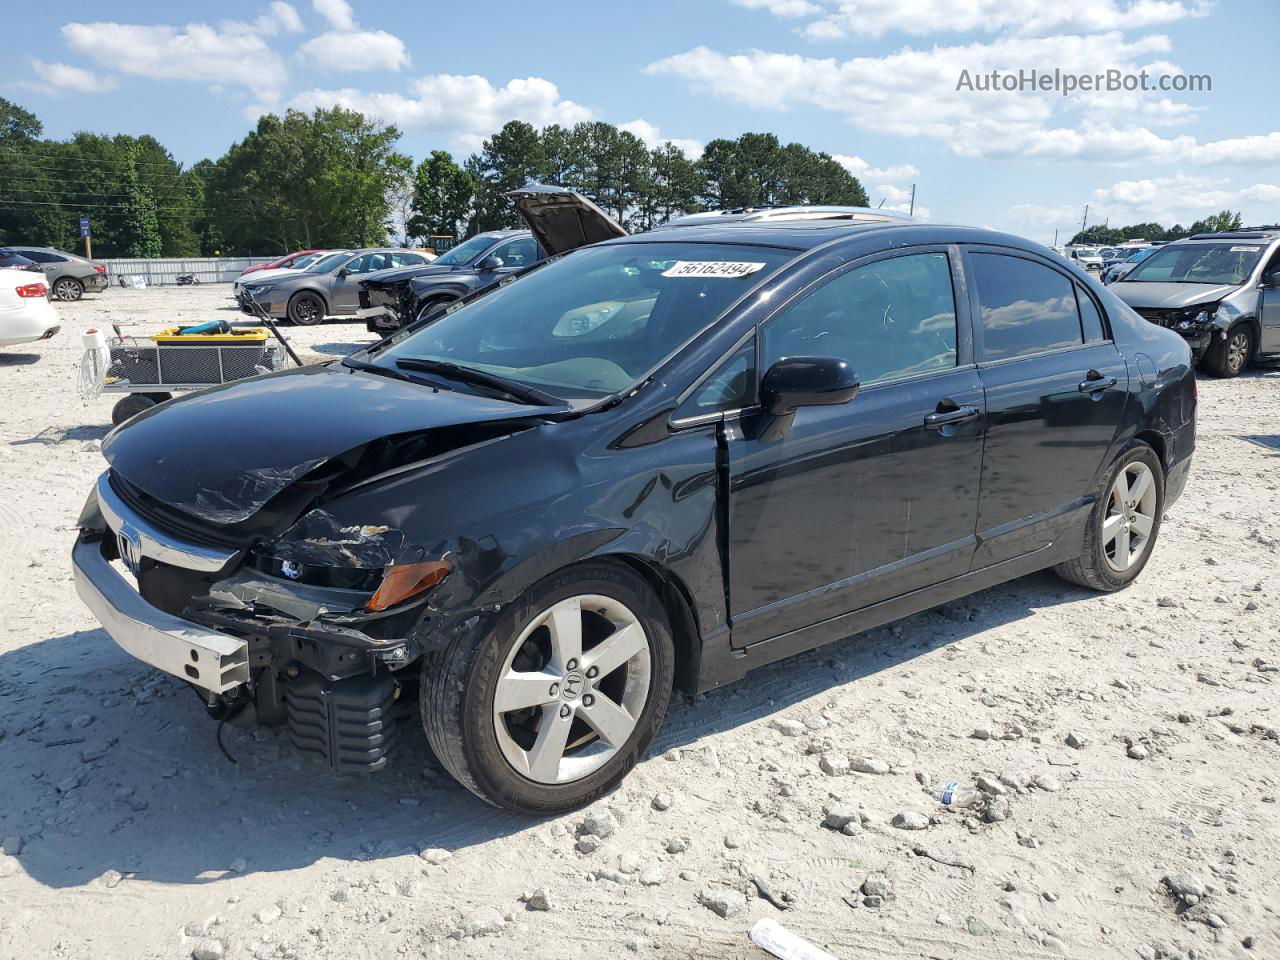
(871, 499)
(1269, 305)
(1056, 386)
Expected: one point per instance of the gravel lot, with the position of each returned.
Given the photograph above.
(1129, 744)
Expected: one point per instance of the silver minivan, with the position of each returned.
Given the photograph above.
(1221, 291)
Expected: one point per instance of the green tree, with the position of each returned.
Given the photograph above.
(510, 158)
(757, 170)
(318, 180)
(141, 224)
(1222, 221)
(442, 196)
(674, 186)
(18, 126)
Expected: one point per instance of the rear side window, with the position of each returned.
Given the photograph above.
(1090, 318)
(1025, 307)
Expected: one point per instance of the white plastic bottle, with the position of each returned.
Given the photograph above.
(955, 794)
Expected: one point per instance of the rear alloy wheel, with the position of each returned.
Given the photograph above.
(1228, 357)
(557, 703)
(1122, 527)
(306, 309)
(68, 289)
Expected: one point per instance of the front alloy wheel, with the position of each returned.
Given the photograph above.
(1228, 357)
(561, 712)
(554, 702)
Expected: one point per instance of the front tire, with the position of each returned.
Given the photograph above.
(306, 309)
(1230, 356)
(558, 701)
(68, 289)
(432, 307)
(1121, 531)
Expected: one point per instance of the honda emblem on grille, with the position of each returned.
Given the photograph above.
(129, 543)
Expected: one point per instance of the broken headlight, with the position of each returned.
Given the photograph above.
(1201, 315)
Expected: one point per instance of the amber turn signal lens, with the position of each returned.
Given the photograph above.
(405, 581)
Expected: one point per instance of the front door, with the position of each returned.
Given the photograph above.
(864, 501)
(1056, 387)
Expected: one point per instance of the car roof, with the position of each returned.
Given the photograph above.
(807, 234)
(1237, 235)
(788, 213)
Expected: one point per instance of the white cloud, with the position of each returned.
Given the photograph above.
(280, 17)
(874, 18)
(196, 52)
(1181, 198)
(337, 12)
(782, 8)
(892, 185)
(912, 93)
(62, 77)
(465, 109)
(864, 171)
(653, 137)
(356, 51)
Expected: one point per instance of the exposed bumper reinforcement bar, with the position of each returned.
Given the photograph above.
(212, 661)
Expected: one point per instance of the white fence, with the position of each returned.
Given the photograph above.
(167, 271)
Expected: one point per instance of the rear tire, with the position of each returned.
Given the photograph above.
(306, 309)
(1229, 357)
(1122, 528)
(503, 747)
(129, 407)
(68, 289)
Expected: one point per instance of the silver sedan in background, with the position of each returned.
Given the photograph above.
(329, 287)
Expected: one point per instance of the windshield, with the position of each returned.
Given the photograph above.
(1106, 253)
(306, 261)
(594, 323)
(464, 251)
(330, 262)
(1216, 263)
(1141, 255)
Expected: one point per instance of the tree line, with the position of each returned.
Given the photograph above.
(334, 178)
(1102, 235)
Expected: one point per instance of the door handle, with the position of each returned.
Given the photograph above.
(951, 417)
(1094, 381)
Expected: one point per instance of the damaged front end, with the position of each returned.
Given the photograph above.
(254, 585)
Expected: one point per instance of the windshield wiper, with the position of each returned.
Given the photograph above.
(354, 364)
(517, 391)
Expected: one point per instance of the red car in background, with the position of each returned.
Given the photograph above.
(283, 263)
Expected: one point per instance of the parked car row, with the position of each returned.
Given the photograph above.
(652, 464)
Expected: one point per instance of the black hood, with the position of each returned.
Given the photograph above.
(221, 454)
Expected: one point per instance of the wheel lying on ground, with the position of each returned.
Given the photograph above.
(135, 403)
(1228, 357)
(1123, 525)
(306, 309)
(68, 288)
(557, 703)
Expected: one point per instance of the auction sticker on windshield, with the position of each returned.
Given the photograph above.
(1245, 249)
(712, 268)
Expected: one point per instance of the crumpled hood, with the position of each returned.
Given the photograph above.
(221, 454)
(1168, 296)
(399, 274)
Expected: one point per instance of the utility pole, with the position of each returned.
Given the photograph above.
(912, 213)
(1085, 219)
(1055, 236)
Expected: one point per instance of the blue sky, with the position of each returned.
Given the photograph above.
(873, 82)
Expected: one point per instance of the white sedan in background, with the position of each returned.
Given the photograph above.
(25, 311)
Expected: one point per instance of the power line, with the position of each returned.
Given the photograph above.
(78, 159)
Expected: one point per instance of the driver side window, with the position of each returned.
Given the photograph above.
(522, 252)
(889, 319)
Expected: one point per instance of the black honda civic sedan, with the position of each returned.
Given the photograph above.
(652, 464)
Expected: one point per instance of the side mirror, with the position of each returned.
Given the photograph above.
(490, 263)
(796, 382)
(344, 272)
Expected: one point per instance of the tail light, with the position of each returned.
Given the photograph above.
(33, 290)
(99, 268)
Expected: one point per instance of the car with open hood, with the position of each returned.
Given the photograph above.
(1221, 291)
(559, 220)
(651, 465)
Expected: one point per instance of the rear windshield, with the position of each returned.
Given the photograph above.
(1218, 262)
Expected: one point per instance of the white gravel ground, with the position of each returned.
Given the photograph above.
(126, 833)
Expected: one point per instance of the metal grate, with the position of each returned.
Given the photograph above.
(142, 362)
